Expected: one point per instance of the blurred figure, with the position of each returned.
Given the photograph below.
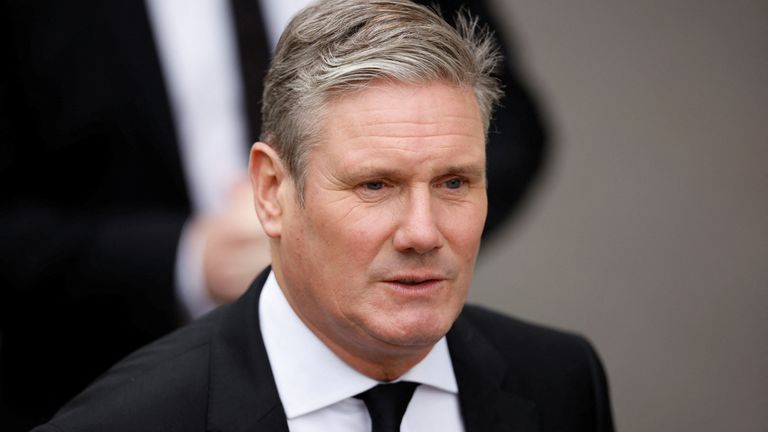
(124, 130)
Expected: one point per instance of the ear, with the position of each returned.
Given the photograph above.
(267, 177)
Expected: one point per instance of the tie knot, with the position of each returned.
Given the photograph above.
(387, 403)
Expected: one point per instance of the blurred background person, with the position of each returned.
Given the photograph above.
(123, 207)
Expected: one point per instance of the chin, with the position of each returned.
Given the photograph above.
(421, 333)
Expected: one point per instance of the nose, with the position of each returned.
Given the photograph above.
(417, 229)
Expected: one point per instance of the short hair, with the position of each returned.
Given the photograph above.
(335, 47)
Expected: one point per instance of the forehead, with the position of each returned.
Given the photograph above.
(419, 122)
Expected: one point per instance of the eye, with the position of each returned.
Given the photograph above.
(374, 190)
(454, 183)
(453, 186)
(377, 185)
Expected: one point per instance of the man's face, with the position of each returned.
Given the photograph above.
(380, 258)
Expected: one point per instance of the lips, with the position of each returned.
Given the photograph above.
(408, 281)
(412, 282)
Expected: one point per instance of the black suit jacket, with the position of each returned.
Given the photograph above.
(213, 375)
(93, 197)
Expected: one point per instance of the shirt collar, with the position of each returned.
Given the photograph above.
(309, 376)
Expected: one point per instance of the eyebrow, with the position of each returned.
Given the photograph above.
(470, 170)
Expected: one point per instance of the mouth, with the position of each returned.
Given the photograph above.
(415, 283)
(412, 282)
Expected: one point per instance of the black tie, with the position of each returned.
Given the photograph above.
(254, 49)
(386, 404)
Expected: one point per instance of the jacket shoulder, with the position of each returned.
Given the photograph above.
(560, 371)
(508, 333)
(162, 386)
(533, 348)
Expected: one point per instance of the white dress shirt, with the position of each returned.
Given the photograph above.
(197, 50)
(198, 54)
(317, 388)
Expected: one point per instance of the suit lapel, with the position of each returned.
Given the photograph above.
(480, 372)
(243, 395)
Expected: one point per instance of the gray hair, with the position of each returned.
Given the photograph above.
(336, 47)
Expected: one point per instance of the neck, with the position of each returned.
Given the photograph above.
(386, 364)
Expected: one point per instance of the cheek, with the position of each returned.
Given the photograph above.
(463, 226)
(360, 230)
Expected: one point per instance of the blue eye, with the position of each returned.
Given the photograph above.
(453, 183)
(374, 185)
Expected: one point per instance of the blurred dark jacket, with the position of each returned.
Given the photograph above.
(93, 197)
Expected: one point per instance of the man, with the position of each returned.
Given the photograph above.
(370, 182)
(98, 195)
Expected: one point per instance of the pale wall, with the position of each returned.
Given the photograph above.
(650, 231)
